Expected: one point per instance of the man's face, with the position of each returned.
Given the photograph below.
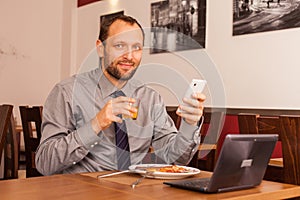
(123, 50)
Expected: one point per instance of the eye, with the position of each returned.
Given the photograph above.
(137, 47)
(119, 46)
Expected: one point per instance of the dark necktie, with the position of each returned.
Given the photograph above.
(122, 145)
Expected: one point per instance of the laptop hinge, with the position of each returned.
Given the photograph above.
(240, 187)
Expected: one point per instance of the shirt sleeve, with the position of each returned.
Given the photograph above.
(171, 145)
(62, 145)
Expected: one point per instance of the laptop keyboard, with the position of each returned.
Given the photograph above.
(196, 184)
(200, 183)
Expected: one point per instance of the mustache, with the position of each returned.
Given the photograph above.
(127, 62)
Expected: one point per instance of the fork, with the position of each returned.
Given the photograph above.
(135, 183)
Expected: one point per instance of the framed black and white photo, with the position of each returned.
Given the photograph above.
(177, 25)
(254, 16)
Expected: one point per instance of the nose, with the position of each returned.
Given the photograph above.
(128, 54)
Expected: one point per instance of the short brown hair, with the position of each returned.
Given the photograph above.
(103, 34)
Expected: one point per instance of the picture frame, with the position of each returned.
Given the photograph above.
(177, 25)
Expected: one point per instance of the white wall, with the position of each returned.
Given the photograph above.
(258, 70)
(42, 42)
(30, 50)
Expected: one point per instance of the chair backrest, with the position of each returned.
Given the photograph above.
(290, 136)
(212, 126)
(5, 113)
(255, 124)
(31, 118)
(171, 110)
(8, 142)
(211, 129)
(250, 123)
(206, 156)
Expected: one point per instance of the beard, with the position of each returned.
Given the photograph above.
(115, 72)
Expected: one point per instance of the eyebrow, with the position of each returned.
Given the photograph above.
(126, 42)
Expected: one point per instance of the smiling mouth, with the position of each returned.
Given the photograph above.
(126, 66)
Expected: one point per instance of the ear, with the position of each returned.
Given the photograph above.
(100, 48)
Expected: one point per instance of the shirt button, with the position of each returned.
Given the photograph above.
(193, 150)
(74, 163)
(92, 145)
(95, 143)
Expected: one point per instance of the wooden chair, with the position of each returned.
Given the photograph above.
(5, 113)
(250, 123)
(171, 110)
(206, 156)
(31, 118)
(290, 137)
(8, 142)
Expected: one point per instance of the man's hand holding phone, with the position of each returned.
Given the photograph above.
(191, 107)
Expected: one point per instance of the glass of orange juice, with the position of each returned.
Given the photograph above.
(135, 114)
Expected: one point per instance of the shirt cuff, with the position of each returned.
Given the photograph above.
(189, 131)
(87, 135)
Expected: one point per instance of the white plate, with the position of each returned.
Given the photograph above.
(141, 169)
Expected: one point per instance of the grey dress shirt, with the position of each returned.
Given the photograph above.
(69, 144)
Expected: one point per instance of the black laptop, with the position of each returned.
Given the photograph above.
(241, 164)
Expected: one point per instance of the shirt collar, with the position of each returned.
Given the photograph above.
(107, 88)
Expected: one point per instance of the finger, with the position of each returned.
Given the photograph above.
(117, 119)
(123, 108)
(123, 99)
(121, 105)
(191, 110)
(190, 117)
(192, 102)
(199, 96)
(112, 114)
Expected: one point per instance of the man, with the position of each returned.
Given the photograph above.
(82, 114)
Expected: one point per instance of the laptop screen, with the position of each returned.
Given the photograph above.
(242, 161)
(241, 164)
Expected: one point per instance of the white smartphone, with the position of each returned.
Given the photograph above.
(196, 85)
